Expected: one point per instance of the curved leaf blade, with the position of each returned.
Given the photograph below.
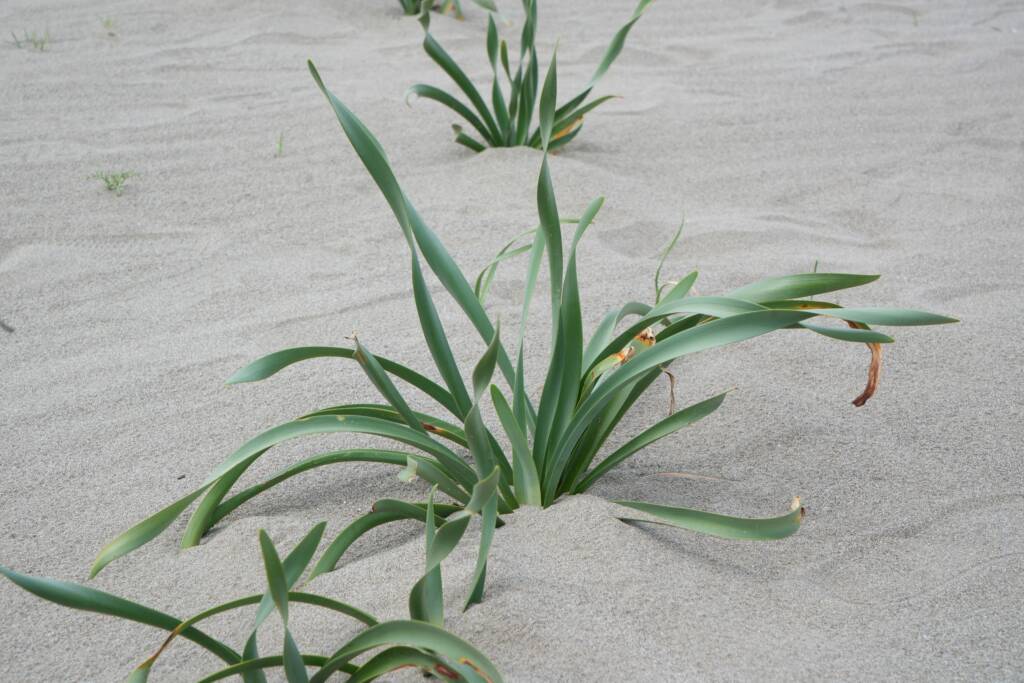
(723, 526)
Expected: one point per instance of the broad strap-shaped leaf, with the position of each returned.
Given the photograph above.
(426, 599)
(143, 532)
(277, 584)
(384, 512)
(602, 336)
(714, 334)
(431, 423)
(488, 520)
(293, 661)
(885, 316)
(270, 663)
(801, 285)
(275, 362)
(561, 390)
(386, 387)
(618, 41)
(80, 597)
(426, 469)
(526, 481)
(292, 567)
(400, 657)
(437, 257)
(232, 468)
(663, 428)
(436, 338)
(723, 526)
(431, 93)
(445, 61)
(411, 634)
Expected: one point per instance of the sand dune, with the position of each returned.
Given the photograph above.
(866, 137)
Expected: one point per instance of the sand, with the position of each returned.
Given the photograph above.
(866, 137)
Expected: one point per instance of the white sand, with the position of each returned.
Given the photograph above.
(868, 137)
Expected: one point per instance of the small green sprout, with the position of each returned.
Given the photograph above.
(114, 182)
(36, 41)
(110, 26)
(280, 146)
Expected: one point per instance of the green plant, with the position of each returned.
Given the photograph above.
(413, 7)
(507, 122)
(400, 643)
(280, 146)
(588, 387)
(36, 41)
(110, 26)
(114, 182)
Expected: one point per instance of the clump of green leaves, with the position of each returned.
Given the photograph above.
(114, 182)
(398, 644)
(555, 445)
(36, 41)
(414, 7)
(508, 120)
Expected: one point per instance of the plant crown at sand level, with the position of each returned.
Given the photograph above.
(589, 385)
(396, 644)
(507, 122)
(413, 7)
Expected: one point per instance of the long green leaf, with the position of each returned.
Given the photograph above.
(386, 387)
(663, 428)
(275, 362)
(437, 340)
(885, 316)
(400, 657)
(801, 285)
(270, 663)
(143, 532)
(445, 61)
(618, 41)
(294, 664)
(723, 526)
(425, 468)
(276, 581)
(426, 599)
(88, 599)
(412, 634)
(717, 333)
(323, 424)
(431, 93)
(526, 481)
(397, 511)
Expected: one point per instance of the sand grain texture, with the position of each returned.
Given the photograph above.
(868, 137)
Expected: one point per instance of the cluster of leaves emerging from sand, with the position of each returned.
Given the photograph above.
(394, 644)
(507, 121)
(556, 444)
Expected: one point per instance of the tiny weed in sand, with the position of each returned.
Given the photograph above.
(507, 122)
(110, 26)
(401, 643)
(280, 146)
(554, 443)
(33, 40)
(114, 182)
